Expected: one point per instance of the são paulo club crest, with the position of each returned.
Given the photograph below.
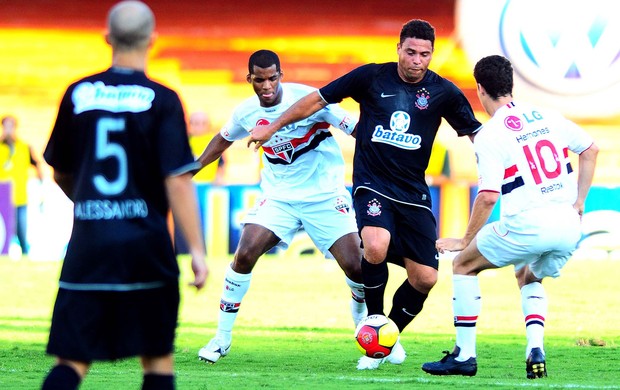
(284, 151)
(342, 205)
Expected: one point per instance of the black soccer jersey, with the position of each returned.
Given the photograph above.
(119, 134)
(397, 126)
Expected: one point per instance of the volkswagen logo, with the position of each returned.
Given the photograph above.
(565, 53)
(562, 47)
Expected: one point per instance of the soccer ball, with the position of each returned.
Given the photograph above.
(376, 335)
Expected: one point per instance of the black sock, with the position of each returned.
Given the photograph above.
(406, 304)
(61, 377)
(375, 278)
(158, 382)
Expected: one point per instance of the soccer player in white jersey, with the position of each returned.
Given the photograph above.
(302, 183)
(522, 155)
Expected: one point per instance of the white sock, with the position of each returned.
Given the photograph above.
(466, 305)
(358, 301)
(235, 287)
(534, 303)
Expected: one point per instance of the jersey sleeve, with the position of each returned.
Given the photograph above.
(490, 163)
(459, 113)
(349, 85)
(575, 137)
(338, 118)
(234, 130)
(58, 152)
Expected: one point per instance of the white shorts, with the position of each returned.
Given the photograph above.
(325, 221)
(544, 239)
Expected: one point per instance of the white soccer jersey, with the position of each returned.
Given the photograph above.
(522, 153)
(302, 161)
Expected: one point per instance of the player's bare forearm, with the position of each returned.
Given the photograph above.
(184, 205)
(587, 164)
(214, 150)
(483, 206)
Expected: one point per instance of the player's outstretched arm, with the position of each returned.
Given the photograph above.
(182, 197)
(483, 207)
(213, 151)
(303, 108)
(587, 163)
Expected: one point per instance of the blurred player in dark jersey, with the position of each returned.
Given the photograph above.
(120, 152)
(401, 107)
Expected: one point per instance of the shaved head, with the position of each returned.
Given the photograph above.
(130, 25)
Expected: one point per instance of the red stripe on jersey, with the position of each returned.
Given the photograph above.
(565, 152)
(295, 142)
(510, 171)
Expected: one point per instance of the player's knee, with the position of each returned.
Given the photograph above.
(352, 267)
(244, 261)
(375, 254)
(465, 266)
(424, 281)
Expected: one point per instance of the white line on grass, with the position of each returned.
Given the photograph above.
(539, 383)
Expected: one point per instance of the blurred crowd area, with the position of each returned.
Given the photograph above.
(202, 52)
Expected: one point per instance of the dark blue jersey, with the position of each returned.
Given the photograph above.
(397, 126)
(119, 135)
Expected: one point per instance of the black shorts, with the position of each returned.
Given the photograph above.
(110, 325)
(413, 229)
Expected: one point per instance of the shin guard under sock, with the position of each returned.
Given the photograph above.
(375, 278)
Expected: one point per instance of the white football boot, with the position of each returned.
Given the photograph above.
(213, 351)
(368, 363)
(397, 356)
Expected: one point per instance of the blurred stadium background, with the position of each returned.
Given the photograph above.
(566, 56)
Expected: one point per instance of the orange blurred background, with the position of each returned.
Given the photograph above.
(202, 52)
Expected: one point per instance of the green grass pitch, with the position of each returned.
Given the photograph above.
(294, 331)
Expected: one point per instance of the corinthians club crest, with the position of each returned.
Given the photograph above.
(374, 208)
(422, 99)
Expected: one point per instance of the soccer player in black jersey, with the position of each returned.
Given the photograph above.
(120, 152)
(401, 107)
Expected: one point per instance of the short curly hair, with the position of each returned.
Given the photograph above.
(420, 29)
(263, 59)
(494, 73)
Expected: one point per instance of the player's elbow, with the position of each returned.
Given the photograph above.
(590, 154)
(487, 198)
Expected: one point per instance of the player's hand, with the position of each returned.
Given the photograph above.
(579, 207)
(450, 244)
(259, 135)
(200, 269)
